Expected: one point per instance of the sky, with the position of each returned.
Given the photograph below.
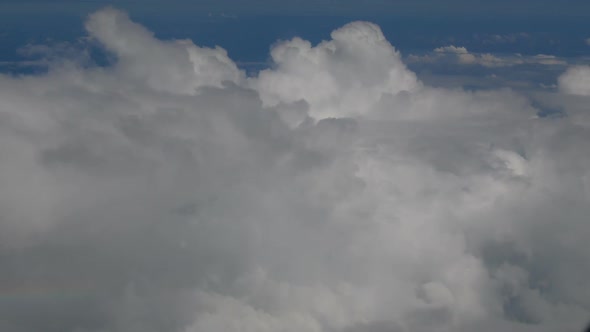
(300, 166)
(522, 8)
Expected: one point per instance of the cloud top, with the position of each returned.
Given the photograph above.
(342, 77)
(170, 66)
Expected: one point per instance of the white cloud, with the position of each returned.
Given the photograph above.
(333, 192)
(576, 80)
(544, 59)
(186, 67)
(465, 57)
(451, 49)
(509, 38)
(462, 56)
(341, 77)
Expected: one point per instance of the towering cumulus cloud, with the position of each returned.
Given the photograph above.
(333, 192)
(345, 76)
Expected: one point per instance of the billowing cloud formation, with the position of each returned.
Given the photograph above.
(187, 67)
(342, 77)
(576, 81)
(333, 192)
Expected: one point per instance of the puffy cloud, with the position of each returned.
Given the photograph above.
(186, 67)
(341, 77)
(332, 192)
(576, 80)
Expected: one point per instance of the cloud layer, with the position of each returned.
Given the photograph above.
(460, 55)
(332, 192)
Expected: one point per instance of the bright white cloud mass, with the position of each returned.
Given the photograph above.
(332, 192)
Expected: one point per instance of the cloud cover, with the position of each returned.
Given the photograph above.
(332, 192)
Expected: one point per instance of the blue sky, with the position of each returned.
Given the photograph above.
(523, 8)
(555, 27)
(247, 29)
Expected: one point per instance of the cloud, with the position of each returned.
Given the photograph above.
(461, 52)
(509, 38)
(549, 60)
(587, 41)
(332, 192)
(576, 81)
(139, 56)
(464, 57)
(460, 55)
(451, 49)
(341, 77)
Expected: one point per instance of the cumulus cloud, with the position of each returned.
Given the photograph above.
(341, 77)
(333, 192)
(576, 80)
(187, 66)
